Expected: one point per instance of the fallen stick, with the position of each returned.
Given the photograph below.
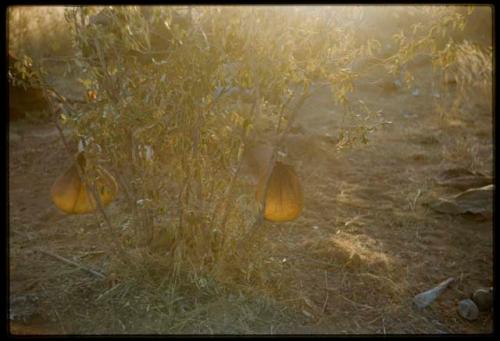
(107, 292)
(366, 306)
(23, 234)
(92, 253)
(67, 261)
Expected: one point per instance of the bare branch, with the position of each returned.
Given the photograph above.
(70, 262)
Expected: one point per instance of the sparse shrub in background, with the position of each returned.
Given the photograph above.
(26, 97)
(35, 35)
(469, 68)
(39, 31)
(180, 92)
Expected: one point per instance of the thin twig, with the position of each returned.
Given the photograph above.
(375, 319)
(326, 286)
(23, 234)
(358, 304)
(325, 304)
(183, 198)
(92, 253)
(70, 262)
(60, 321)
(107, 292)
(109, 88)
(415, 199)
(229, 190)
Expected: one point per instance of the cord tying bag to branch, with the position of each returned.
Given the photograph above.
(284, 199)
(71, 196)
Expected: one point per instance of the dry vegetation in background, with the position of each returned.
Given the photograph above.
(385, 117)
